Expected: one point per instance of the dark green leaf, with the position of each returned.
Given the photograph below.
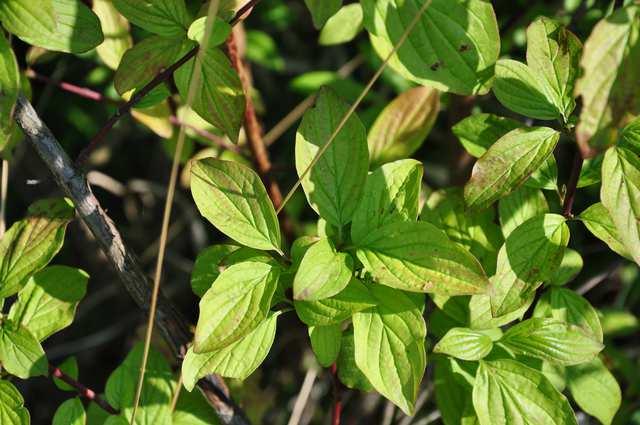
(334, 185)
(168, 18)
(62, 25)
(219, 98)
(453, 48)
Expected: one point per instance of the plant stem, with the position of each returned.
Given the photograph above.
(572, 184)
(195, 79)
(355, 105)
(156, 81)
(252, 127)
(337, 396)
(85, 392)
(174, 328)
(4, 187)
(91, 94)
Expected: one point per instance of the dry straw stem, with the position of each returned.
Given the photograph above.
(355, 105)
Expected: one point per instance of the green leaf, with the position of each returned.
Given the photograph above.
(141, 63)
(71, 412)
(12, 410)
(530, 255)
(323, 272)
(545, 177)
(47, 303)
(464, 344)
(329, 311)
(551, 340)
(348, 371)
(479, 131)
(342, 27)
(390, 346)
(70, 368)
(569, 268)
(403, 125)
(115, 28)
(193, 409)
(419, 257)
(453, 48)
(508, 392)
(599, 222)
(553, 54)
(391, 193)
(20, 352)
(620, 194)
(611, 64)
(334, 185)
(595, 390)
(322, 10)
(453, 389)
(567, 306)
(237, 302)
(157, 389)
(237, 360)
(618, 322)
(508, 163)
(263, 50)
(214, 259)
(517, 87)
(475, 230)
(219, 98)
(630, 137)
(591, 172)
(325, 342)
(9, 87)
(168, 18)
(232, 197)
(62, 25)
(31, 243)
(519, 206)
(220, 31)
(481, 317)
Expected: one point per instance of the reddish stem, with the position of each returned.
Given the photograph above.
(85, 392)
(572, 184)
(90, 94)
(157, 80)
(337, 399)
(252, 127)
(126, 108)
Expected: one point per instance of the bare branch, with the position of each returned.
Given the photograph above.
(172, 325)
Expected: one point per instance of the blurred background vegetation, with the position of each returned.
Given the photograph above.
(130, 170)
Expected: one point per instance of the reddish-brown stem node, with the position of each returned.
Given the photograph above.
(82, 390)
